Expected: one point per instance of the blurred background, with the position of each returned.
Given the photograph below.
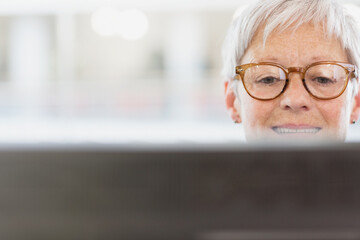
(116, 71)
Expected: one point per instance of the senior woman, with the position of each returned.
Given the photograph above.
(291, 70)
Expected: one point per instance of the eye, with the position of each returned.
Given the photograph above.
(323, 80)
(267, 80)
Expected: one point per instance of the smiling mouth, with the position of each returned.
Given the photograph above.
(284, 130)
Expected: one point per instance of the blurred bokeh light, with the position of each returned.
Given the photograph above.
(133, 24)
(105, 21)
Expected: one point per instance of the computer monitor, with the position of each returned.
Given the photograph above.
(205, 192)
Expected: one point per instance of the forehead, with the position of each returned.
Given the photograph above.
(305, 45)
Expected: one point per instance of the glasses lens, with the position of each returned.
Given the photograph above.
(264, 81)
(325, 80)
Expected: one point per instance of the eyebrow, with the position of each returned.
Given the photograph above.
(270, 59)
(318, 58)
(313, 59)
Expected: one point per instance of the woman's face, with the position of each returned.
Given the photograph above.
(295, 109)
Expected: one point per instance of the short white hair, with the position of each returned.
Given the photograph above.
(281, 14)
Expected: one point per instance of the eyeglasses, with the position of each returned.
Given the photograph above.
(322, 80)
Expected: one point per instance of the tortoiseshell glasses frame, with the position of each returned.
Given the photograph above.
(350, 71)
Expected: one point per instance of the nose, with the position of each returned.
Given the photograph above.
(295, 97)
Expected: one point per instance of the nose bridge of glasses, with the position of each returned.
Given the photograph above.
(299, 70)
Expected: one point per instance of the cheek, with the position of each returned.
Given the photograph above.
(335, 112)
(256, 113)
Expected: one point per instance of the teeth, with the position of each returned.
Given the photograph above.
(292, 130)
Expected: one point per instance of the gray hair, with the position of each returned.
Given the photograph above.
(333, 17)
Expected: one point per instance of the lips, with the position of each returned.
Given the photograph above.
(296, 129)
